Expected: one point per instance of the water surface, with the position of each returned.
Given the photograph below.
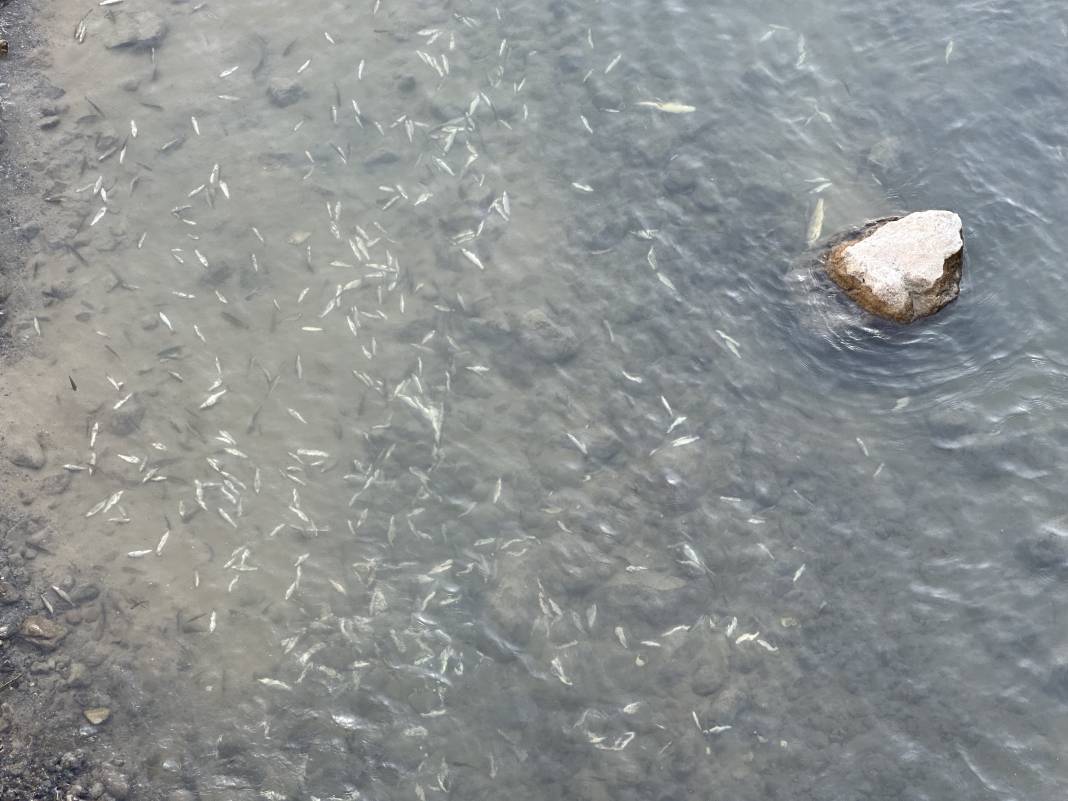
(481, 430)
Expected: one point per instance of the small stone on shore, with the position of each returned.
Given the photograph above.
(97, 714)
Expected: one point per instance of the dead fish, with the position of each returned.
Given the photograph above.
(281, 685)
(212, 399)
(58, 591)
(667, 106)
(471, 257)
(815, 224)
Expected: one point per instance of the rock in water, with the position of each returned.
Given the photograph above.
(546, 338)
(24, 450)
(284, 91)
(42, 632)
(97, 715)
(901, 268)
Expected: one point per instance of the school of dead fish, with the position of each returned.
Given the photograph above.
(370, 288)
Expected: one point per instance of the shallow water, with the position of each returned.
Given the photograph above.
(715, 532)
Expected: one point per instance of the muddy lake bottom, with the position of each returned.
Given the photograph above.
(407, 400)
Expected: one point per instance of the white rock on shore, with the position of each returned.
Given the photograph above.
(902, 269)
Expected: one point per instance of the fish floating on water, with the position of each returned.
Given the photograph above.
(667, 106)
(815, 224)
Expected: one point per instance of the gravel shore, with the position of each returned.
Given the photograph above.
(48, 749)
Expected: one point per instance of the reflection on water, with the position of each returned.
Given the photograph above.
(457, 413)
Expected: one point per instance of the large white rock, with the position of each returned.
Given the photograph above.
(902, 269)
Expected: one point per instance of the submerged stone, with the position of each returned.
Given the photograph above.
(42, 632)
(137, 29)
(284, 91)
(1044, 552)
(97, 714)
(25, 450)
(903, 268)
(127, 418)
(547, 339)
(8, 593)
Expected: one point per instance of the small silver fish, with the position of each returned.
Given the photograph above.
(212, 399)
(815, 224)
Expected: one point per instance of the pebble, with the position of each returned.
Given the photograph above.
(380, 158)
(39, 539)
(284, 91)
(1044, 552)
(602, 443)
(97, 715)
(547, 339)
(8, 593)
(42, 632)
(443, 109)
(1057, 685)
(115, 783)
(56, 484)
(604, 97)
(127, 419)
(681, 175)
(78, 678)
(87, 592)
(24, 450)
(139, 30)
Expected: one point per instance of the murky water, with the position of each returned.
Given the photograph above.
(452, 422)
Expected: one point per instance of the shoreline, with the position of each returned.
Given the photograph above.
(47, 748)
